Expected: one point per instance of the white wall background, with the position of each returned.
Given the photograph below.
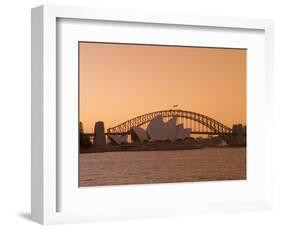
(15, 113)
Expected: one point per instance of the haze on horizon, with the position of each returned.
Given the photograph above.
(122, 81)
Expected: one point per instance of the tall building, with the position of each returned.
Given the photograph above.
(99, 136)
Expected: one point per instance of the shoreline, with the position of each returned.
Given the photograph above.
(148, 146)
(166, 150)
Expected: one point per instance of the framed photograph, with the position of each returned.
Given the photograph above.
(140, 115)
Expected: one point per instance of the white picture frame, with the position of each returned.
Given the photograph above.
(54, 196)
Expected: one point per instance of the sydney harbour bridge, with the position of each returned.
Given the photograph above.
(199, 123)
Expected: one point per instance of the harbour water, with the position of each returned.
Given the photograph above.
(120, 168)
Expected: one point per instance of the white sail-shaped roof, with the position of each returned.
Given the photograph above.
(169, 130)
(124, 138)
(140, 134)
(154, 128)
(117, 139)
(187, 132)
(180, 132)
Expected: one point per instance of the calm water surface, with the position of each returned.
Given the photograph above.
(208, 164)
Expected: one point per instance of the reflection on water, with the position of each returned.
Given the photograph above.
(208, 164)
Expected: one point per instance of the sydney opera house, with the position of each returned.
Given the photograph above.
(157, 130)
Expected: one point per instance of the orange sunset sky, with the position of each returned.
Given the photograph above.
(121, 81)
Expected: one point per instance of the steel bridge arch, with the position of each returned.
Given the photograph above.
(212, 124)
